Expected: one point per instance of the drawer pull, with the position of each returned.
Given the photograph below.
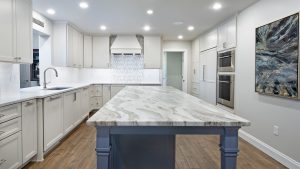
(28, 104)
(2, 161)
(54, 98)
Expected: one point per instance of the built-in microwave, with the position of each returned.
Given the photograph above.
(225, 90)
(226, 61)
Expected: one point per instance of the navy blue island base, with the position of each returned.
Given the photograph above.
(138, 147)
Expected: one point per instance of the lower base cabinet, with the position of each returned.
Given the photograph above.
(53, 120)
(11, 151)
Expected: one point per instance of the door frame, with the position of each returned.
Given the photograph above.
(184, 67)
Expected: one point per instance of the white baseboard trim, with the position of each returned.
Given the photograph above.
(272, 152)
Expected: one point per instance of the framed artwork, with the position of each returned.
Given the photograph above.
(277, 58)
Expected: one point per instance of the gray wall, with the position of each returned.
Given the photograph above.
(265, 111)
(174, 69)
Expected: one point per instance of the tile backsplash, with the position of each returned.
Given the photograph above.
(9, 79)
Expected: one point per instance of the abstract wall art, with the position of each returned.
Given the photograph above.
(277, 58)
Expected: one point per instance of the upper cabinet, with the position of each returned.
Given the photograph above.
(152, 52)
(208, 40)
(16, 31)
(227, 35)
(195, 60)
(87, 51)
(67, 46)
(101, 56)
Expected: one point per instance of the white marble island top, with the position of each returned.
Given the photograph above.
(161, 106)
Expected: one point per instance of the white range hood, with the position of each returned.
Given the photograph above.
(126, 44)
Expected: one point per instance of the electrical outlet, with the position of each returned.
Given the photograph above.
(276, 130)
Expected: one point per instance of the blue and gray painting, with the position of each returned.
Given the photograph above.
(277, 46)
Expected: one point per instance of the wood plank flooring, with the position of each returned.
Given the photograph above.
(77, 151)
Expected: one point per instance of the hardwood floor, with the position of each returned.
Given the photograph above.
(77, 151)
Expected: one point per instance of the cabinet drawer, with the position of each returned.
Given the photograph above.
(98, 90)
(10, 127)
(10, 112)
(11, 152)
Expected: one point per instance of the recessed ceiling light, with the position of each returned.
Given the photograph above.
(178, 23)
(51, 11)
(83, 5)
(103, 27)
(217, 6)
(150, 12)
(190, 28)
(147, 28)
(180, 37)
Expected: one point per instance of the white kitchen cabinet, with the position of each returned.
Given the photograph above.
(96, 102)
(208, 40)
(67, 46)
(227, 34)
(29, 129)
(53, 120)
(10, 112)
(11, 151)
(72, 110)
(85, 102)
(195, 60)
(106, 93)
(101, 56)
(152, 52)
(15, 31)
(115, 89)
(208, 75)
(88, 51)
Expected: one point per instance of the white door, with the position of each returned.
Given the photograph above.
(106, 93)
(24, 30)
(210, 65)
(29, 129)
(7, 31)
(101, 52)
(88, 52)
(11, 152)
(53, 120)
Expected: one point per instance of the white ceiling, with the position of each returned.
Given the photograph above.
(129, 16)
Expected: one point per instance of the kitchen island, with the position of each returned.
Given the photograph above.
(137, 128)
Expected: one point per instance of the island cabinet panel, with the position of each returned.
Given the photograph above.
(29, 129)
(15, 31)
(101, 56)
(11, 151)
(53, 120)
(152, 52)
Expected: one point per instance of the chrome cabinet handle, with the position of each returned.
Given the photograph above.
(2, 161)
(203, 72)
(54, 98)
(29, 103)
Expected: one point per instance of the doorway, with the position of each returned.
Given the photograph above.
(174, 69)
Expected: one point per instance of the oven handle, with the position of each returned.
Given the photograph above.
(221, 81)
(227, 56)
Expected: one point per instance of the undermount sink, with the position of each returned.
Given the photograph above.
(57, 88)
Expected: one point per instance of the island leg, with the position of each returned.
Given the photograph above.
(103, 147)
(229, 147)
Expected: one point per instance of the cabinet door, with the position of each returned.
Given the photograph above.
(152, 52)
(77, 108)
(101, 52)
(202, 63)
(222, 37)
(211, 92)
(85, 102)
(79, 50)
(88, 52)
(7, 31)
(29, 129)
(53, 120)
(115, 89)
(231, 33)
(11, 152)
(24, 30)
(106, 93)
(210, 69)
(69, 114)
(209, 40)
(70, 46)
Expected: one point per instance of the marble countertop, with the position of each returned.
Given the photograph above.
(161, 106)
(39, 93)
